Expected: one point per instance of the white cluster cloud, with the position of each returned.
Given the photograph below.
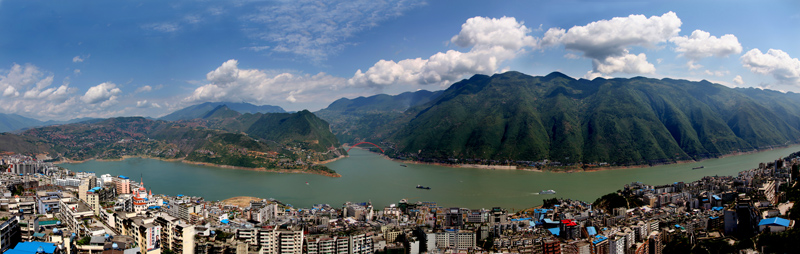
(30, 91)
(738, 80)
(229, 83)
(492, 41)
(31, 83)
(626, 63)
(146, 104)
(317, 29)
(775, 62)
(607, 42)
(105, 93)
(77, 59)
(701, 45)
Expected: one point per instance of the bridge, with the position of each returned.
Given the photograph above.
(359, 143)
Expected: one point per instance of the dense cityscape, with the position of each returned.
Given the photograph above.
(49, 209)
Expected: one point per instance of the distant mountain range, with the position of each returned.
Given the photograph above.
(513, 116)
(371, 118)
(200, 110)
(14, 122)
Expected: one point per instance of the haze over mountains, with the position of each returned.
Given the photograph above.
(14, 122)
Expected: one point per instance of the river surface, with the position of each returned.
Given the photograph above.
(370, 177)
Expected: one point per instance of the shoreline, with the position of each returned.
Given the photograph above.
(576, 170)
(183, 160)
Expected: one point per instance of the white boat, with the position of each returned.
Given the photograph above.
(545, 192)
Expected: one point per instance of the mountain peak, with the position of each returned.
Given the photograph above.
(556, 74)
(200, 110)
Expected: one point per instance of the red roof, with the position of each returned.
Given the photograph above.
(569, 223)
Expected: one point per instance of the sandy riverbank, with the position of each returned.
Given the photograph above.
(240, 201)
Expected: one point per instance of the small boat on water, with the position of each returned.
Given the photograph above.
(403, 165)
(699, 167)
(545, 192)
(306, 183)
(423, 187)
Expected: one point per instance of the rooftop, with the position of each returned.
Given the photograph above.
(777, 221)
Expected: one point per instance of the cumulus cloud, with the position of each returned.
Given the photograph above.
(627, 63)
(316, 29)
(492, 41)
(30, 91)
(607, 42)
(102, 93)
(146, 104)
(701, 45)
(230, 83)
(775, 62)
(77, 59)
(482, 32)
(738, 80)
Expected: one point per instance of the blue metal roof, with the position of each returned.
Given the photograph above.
(520, 219)
(716, 197)
(555, 231)
(598, 239)
(775, 221)
(123, 177)
(31, 247)
(716, 208)
(591, 230)
(549, 221)
(225, 221)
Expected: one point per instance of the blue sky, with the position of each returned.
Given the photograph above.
(66, 59)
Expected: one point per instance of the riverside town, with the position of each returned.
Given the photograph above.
(48, 209)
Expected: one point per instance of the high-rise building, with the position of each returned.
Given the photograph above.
(654, 242)
(123, 184)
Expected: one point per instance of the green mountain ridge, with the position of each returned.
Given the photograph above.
(279, 145)
(517, 117)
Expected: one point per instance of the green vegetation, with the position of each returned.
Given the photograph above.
(611, 201)
(226, 137)
(84, 241)
(302, 129)
(514, 117)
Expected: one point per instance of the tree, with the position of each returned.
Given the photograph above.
(84, 241)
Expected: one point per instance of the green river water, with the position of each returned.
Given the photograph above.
(370, 177)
